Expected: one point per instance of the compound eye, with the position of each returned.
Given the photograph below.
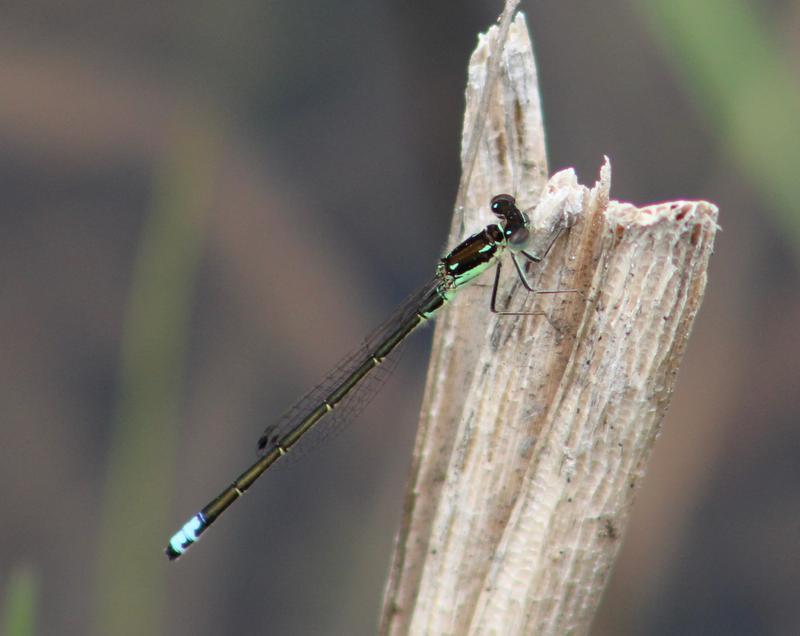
(501, 203)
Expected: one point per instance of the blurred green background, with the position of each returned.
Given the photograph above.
(206, 204)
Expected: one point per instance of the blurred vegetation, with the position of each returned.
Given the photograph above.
(140, 464)
(17, 617)
(730, 60)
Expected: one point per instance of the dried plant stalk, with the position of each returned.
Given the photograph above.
(535, 430)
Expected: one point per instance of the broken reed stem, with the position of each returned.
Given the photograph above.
(535, 431)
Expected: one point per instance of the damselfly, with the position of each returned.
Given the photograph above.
(342, 391)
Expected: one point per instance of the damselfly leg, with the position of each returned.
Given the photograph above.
(523, 278)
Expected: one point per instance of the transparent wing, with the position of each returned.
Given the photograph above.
(359, 397)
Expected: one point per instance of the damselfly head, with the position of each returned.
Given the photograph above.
(502, 205)
(515, 223)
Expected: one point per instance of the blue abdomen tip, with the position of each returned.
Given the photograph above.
(186, 536)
